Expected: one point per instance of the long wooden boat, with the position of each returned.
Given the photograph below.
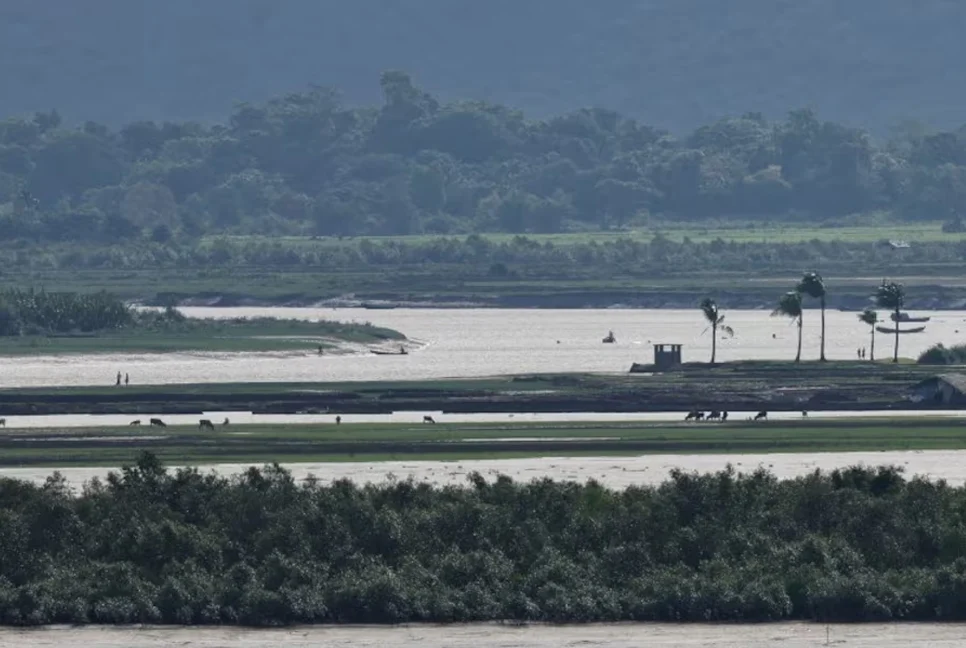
(906, 317)
(892, 331)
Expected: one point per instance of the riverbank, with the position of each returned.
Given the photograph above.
(449, 286)
(499, 635)
(208, 335)
(744, 386)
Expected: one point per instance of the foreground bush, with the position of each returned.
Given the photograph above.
(149, 546)
(938, 354)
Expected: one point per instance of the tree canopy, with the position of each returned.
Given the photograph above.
(306, 163)
(149, 545)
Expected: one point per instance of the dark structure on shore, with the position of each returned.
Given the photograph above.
(667, 356)
(944, 389)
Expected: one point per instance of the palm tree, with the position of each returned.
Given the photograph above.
(813, 286)
(713, 314)
(891, 295)
(870, 317)
(790, 305)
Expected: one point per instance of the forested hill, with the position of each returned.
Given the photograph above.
(675, 64)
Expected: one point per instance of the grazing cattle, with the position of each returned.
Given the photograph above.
(429, 419)
(691, 415)
(724, 416)
(135, 422)
(338, 420)
(699, 416)
(206, 424)
(761, 415)
(714, 415)
(3, 422)
(804, 414)
(157, 423)
(225, 422)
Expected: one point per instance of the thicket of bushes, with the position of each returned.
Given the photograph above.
(152, 546)
(938, 354)
(38, 311)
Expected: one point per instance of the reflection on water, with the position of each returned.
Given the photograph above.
(483, 342)
(652, 635)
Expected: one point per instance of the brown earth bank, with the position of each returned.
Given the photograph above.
(742, 386)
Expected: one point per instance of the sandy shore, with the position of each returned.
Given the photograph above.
(617, 472)
(788, 635)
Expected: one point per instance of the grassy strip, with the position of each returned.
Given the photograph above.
(256, 335)
(371, 442)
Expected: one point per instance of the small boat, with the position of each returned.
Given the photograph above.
(892, 331)
(402, 351)
(610, 339)
(378, 306)
(906, 317)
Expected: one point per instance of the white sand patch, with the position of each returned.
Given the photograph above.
(616, 472)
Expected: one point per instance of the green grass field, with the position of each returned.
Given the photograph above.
(379, 442)
(261, 335)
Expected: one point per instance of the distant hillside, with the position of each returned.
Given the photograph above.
(671, 63)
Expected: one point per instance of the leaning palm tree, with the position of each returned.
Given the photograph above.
(870, 317)
(891, 295)
(713, 314)
(790, 305)
(813, 286)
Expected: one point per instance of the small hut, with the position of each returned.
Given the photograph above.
(667, 356)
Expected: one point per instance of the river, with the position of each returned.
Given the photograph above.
(484, 342)
(620, 635)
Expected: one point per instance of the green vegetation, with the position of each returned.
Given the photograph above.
(813, 286)
(870, 317)
(939, 354)
(150, 546)
(891, 296)
(191, 445)
(34, 322)
(305, 164)
(422, 197)
(790, 306)
(716, 320)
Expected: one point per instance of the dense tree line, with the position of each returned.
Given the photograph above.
(307, 164)
(41, 312)
(518, 257)
(151, 546)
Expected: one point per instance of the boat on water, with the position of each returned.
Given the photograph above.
(610, 339)
(378, 306)
(906, 317)
(892, 331)
(402, 351)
